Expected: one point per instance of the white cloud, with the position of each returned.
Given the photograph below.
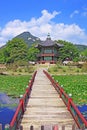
(46, 17)
(74, 13)
(40, 28)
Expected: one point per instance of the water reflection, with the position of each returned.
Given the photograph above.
(8, 107)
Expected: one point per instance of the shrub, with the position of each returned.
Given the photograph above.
(84, 67)
(64, 70)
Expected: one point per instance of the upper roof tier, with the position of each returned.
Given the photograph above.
(48, 42)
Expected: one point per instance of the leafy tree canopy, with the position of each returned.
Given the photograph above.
(32, 53)
(16, 49)
(2, 57)
(68, 51)
(84, 53)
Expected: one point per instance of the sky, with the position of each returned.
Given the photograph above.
(63, 19)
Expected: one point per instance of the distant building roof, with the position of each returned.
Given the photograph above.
(48, 42)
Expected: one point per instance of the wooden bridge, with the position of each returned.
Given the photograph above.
(46, 104)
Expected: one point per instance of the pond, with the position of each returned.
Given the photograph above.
(83, 110)
(8, 107)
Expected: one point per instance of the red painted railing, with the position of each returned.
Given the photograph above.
(45, 127)
(53, 127)
(21, 107)
(78, 117)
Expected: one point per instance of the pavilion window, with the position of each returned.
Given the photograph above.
(48, 50)
(47, 58)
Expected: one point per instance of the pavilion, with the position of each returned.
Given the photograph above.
(48, 51)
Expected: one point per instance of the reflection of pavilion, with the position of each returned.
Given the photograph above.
(48, 51)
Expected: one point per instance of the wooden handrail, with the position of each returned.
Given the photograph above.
(21, 105)
(78, 112)
(70, 102)
(55, 128)
(16, 113)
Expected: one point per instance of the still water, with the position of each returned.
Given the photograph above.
(7, 108)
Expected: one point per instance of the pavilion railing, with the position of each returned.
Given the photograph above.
(78, 117)
(14, 124)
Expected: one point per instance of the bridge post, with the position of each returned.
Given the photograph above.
(31, 127)
(63, 127)
(69, 100)
(21, 127)
(21, 100)
(0, 126)
(73, 127)
(42, 127)
(55, 128)
(7, 127)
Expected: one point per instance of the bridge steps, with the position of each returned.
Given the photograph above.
(45, 107)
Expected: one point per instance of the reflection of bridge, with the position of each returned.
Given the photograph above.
(45, 105)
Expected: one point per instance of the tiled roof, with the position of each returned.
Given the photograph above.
(49, 42)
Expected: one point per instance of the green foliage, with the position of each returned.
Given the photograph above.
(84, 52)
(32, 53)
(68, 51)
(84, 55)
(2, 57)
(12, 66)
(59, 69)
(16, 50)
(13, 85)
(84, 67)
(75, 84)
(81, 48)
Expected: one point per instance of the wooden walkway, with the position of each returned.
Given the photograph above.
(45, 107)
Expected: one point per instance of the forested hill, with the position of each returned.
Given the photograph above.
(28, 38)
(17, 49)
(81, 47)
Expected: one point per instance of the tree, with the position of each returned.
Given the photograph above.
(32, 53)
(2, 56)
(84, 55)
(16, 50)
(68, 51)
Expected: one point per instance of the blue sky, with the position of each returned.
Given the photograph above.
(63, 19)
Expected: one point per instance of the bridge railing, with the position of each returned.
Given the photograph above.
(21, 106)
(46, 127)
(53, 127)
(78, 117)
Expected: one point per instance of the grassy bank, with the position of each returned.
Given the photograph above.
(60, 69)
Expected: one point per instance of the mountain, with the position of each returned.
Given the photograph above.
(28, 38)
(81, 47)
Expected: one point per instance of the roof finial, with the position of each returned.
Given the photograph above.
(48, 36)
